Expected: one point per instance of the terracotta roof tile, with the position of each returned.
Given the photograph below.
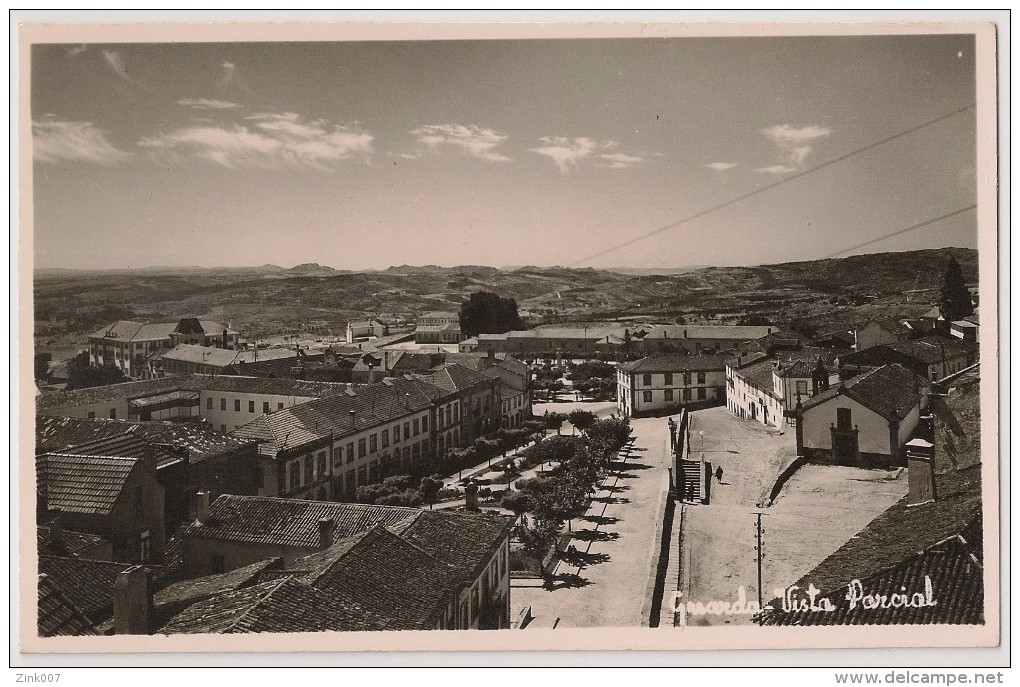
(58, 615)
(82, 484)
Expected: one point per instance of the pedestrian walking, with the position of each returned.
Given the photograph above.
(718, 474)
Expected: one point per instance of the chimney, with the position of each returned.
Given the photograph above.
(371, 373)
(131, 602)
(225, 339)
(920, 472)
(326, 530)
(200, 506)
(352, 418)
(471, 496)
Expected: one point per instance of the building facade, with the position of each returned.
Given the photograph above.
(667, 383)
(127, 345)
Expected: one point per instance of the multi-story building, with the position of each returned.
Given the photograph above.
(933, 357)
(327, 448)
(115, 497)
(667, 383)
(185, 359)
(767, 389)
(439, 319)
(365, 330)
(437, 334)
(127, 345)
(478, 395)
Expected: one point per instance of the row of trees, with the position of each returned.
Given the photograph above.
(565, 491)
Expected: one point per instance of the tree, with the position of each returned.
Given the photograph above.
(429, 490)
(582, 419)
(42, 366)
(516, 502)
(81, 375)
(955, 303)
(489, 313)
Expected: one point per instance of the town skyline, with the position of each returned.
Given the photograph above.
(435, 152)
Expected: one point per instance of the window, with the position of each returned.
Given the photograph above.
(144, 550)
(701, 378)
(647, 396)
(223, 428)
(407, 430)
(702, 393)
(320, 465)
(309, 470)
(449, 415)
(843, 418)
(251, 406)
(92, 415)
(456, 412)
(279, 406)
(265, 406)
(217, 564)
(687, 378)
(396, 433)
(373, 443)
(385, 438)
(208, 403)
(295, 475)
(237, 405)
(338, 458)
(668, 395)
(415, 426)
(362, 452)
(350, 452)
(646, 380)
(802, 387)
(113, 413)
(223, 404)
(425, 424)
(668, 379)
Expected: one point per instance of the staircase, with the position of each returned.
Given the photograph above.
(692, 481)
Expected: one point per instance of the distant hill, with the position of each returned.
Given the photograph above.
(314, 297)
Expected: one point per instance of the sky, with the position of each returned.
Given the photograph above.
(362, 155)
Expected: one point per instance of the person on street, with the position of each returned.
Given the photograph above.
(718, 474)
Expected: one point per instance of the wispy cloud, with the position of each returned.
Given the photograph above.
(207, 104)
(775, 169)
(54, 140)
(721, 166)
(115, 61)
(232, 77)
(570, 153)
(475, 141)
(266, 140)
(794, 145)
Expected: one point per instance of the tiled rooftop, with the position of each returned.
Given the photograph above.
(464, 540)
(197, 589)
(283, 605)
(58, 615)
(891, 391)
(87, 584)
(81, 483)
(70, 544)
(675, 363)
(290, 522)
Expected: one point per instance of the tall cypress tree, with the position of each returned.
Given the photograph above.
(955, 303)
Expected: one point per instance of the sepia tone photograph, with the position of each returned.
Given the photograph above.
(378, 335)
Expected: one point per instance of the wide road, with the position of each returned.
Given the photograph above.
(609, 589)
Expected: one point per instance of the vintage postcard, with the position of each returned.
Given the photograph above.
(349, 337)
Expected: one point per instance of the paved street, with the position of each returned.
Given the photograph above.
(820, 508)
(616, 538)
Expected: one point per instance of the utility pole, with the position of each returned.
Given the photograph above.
(759, 556)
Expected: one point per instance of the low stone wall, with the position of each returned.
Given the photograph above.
(655, 588)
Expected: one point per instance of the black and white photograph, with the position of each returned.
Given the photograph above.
(496, 340)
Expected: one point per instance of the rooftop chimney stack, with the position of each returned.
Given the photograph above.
(201, 506)
(131, 602)
(326, 530)
(921, 472)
